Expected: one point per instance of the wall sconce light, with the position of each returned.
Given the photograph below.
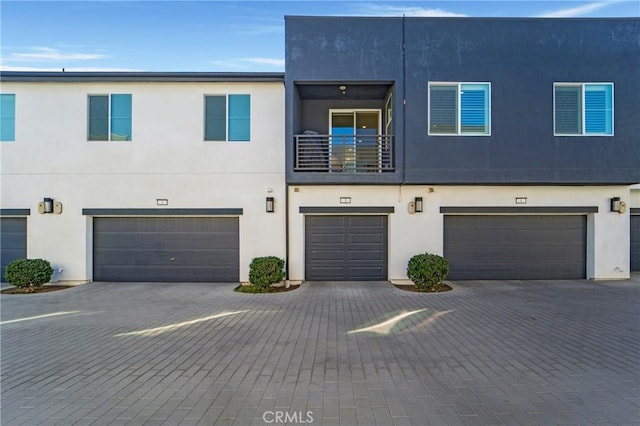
(343, 89)
(48, 206)
(418, 204)
(270, 207)
(618, 206)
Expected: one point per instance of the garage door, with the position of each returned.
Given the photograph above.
(635, 242)
(13, 240)
(166, 249)
(515, 247)
(346, 248)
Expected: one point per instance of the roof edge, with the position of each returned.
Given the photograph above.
(139, 76)
(468, 18)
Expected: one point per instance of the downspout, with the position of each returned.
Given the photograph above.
(286, 234)
(286, 183)
(404, 103)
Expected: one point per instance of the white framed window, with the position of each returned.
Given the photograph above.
(227, 118)
(7, 117)
(109, 117)
(583, 109)
(457, 108)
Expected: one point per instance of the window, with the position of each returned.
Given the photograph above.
(227, 118)
(109, 118)
(7, 117)
(459, 108)
(583, 109)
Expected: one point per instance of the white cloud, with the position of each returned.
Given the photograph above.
(267, 61)
(43, 54)
(68, 69)
(577, 10)
(246, 63)
(388, 10)
(261, 29)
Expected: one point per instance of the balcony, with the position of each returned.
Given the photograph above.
(344, 153)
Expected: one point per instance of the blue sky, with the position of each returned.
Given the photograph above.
(243, 36)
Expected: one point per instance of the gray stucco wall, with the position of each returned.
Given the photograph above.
(521, 58)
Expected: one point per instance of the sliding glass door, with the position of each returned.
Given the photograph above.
(354, 140)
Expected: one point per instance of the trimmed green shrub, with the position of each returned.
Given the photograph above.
(28, 272)
(265, 271)
(427, 270)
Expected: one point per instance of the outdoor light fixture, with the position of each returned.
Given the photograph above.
(343, 89)
(270, 205)
(418, 204)
(47, 205)
(618, 206)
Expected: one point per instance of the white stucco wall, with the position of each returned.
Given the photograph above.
(409, 234)
(167, 158)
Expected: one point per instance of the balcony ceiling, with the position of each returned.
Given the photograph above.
(353, 91)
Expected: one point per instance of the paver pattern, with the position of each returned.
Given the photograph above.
(512, 353)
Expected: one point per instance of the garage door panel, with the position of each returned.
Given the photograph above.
(370, 256)
(227, 240)
(505, 271)
(159, 241)
(635, 243)
(326, 255)
(499, 223)
(366, 221)
(515, 247)
(13, 241)
(166, 249)
(564, 252)
(327, 239)
(159, 274)
(366, 273)
(328, 273)
(346, 247)
(331, 229)
(329, 221)
(366, 239)
(360, 232)
(11, 254)
(164, 257)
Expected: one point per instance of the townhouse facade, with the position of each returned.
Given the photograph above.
(157, 176)
(499, 143)
(510, 146)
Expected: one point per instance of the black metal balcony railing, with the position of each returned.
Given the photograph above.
(344, 153)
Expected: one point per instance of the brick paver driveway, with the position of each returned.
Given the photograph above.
(563, 352)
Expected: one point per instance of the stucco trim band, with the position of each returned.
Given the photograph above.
(163, 212)
(15, 212)
(348, 210)
(475, 210)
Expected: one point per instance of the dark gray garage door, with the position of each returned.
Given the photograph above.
(13, 240)
(635, 243)
(169, 249)
(515, 247)
(346, 248)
